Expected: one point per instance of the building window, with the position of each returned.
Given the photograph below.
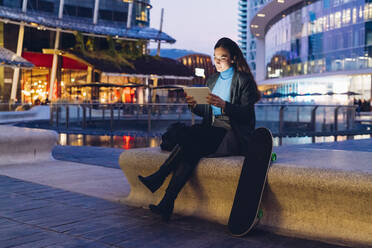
(105, 15)
(70, 10)
(12, 3)
(141, 12)
(40, 5)
(84, 12)
(120, 16)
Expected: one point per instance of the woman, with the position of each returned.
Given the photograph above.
(228, 120)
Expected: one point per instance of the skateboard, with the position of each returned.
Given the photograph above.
(245, 212)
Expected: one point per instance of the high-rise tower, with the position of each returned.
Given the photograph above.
(243, 26)
(247, 42)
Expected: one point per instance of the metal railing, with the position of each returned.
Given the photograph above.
(116, 116)
(281, 119)
(302, 119)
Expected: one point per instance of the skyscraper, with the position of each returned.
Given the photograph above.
(247, 42)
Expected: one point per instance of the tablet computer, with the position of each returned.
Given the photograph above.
(199, 93)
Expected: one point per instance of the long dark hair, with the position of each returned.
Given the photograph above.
(239, 62)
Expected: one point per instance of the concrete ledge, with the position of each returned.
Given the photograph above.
(311, 193)
(209, 194)
(25, 145)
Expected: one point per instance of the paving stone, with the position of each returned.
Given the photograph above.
(102, 231)
(74, 243)
(15, 231)
(87, 227)
(34, 214)
(67, 218)
(24, 240)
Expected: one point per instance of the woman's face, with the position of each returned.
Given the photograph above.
(222, 59)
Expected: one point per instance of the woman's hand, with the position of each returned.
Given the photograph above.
(190, 101)
(216, 101)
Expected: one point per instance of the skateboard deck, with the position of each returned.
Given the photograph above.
(245, 212)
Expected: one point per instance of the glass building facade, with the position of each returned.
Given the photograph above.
(318, 51)
(325, 36)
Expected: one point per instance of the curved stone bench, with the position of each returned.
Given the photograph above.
(209, 193)
(25, 145)
(310, 193)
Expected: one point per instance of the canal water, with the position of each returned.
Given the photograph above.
(134, 141)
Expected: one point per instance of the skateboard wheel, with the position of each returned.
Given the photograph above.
(273, 156)
(260, 214)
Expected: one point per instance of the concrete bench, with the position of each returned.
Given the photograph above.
(25, 145)
(311, 193)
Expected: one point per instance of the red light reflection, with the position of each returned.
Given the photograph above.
(126, 142)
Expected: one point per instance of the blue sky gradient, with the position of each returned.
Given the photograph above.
(196, 24)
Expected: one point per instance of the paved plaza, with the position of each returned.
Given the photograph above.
(39, 212)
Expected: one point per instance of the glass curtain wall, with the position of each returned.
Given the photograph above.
(325, 36)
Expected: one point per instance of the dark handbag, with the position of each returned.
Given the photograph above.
(172, 136)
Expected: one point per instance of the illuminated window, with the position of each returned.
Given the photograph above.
(354, 15)
(361, 12)
(366, 11)
(141, 12)
(320, 25)
(343, 17)
(338, 19)
(325, 23)
(184, 61)
(190, 62)
(331, 21)
(197, 60)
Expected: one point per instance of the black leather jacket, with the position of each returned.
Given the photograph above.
(241, 108)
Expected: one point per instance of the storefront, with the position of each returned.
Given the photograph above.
(81, 79)
(35, 82)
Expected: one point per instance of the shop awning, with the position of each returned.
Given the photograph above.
(46, 60)
(143, 67)
(70, 24)
(9, 58)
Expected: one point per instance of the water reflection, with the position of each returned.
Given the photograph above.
(129, 142)
(124, 142)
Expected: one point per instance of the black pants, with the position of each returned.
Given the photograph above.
(198, 141)
(195, 142)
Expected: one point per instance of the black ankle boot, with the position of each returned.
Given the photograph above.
(179, 178)
(154, 181)
(164, 208)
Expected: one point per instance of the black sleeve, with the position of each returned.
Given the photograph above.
(243, 110)
(199, 109)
